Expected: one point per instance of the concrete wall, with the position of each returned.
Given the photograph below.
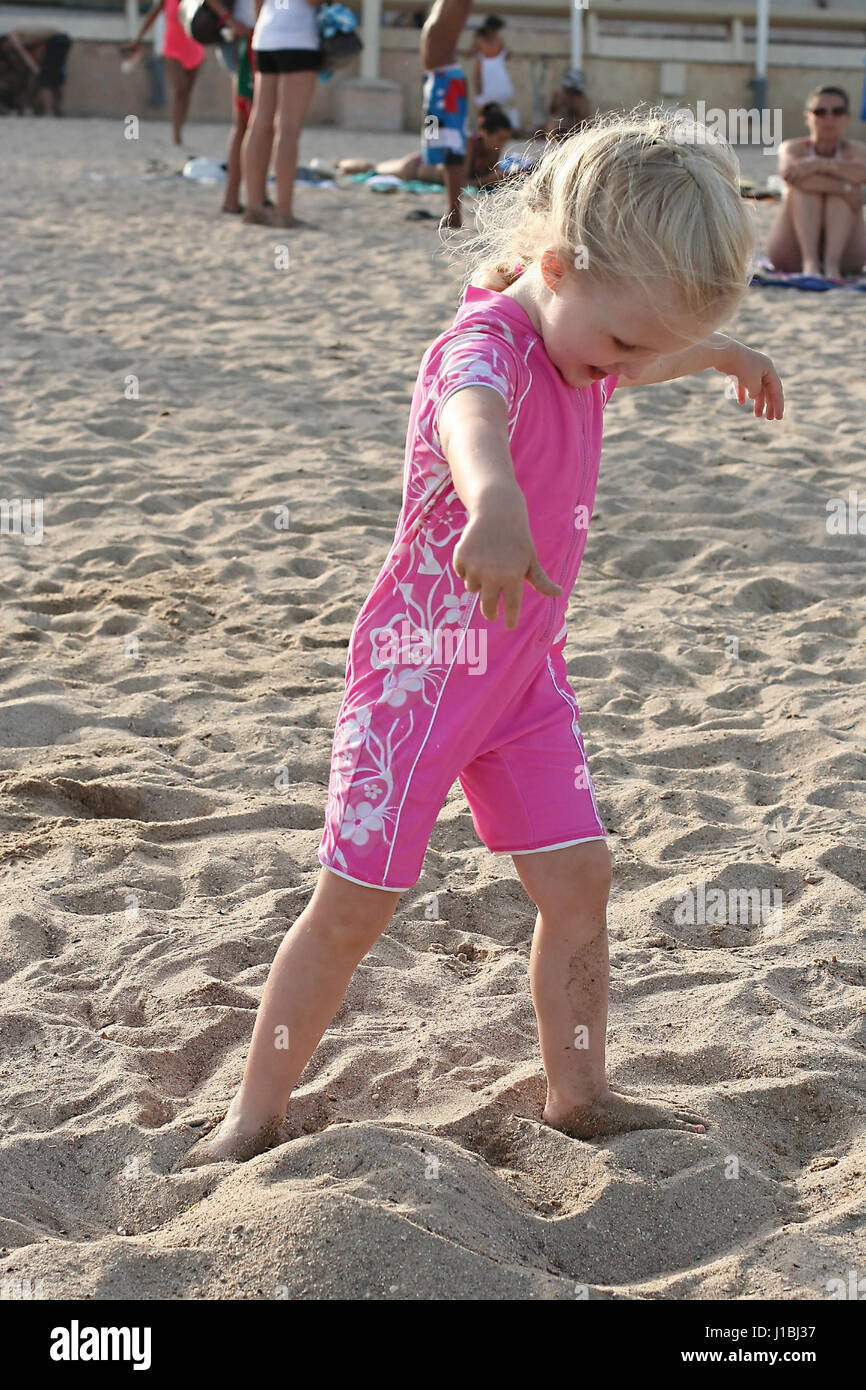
(96, 86)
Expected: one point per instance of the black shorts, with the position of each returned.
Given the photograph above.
(52, 71)
(276, 60)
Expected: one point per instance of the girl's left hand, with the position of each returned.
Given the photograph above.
(757, 377)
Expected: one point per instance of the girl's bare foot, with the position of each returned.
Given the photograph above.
(234, 1141)
(615, 1112)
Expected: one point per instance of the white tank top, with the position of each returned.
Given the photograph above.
(495, 80)
(287, 24)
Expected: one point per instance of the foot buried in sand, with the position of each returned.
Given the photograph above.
(232, 1142)
(614, 1112)
(259, 217)
(288, 220)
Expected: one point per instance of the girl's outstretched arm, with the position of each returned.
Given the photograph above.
(149, 19)
(755, 374)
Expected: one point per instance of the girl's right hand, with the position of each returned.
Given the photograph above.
(496, 555)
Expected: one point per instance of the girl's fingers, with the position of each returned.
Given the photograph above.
(541, 581)
(490, 600)
(512, 595)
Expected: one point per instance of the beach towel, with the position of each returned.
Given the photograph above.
(766, 274)
(389, 183)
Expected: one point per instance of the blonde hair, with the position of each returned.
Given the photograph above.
(641, 195)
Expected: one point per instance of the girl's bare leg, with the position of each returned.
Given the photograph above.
(569, 975)
(305, 987)
(257, 143)
(187, 83)
(455, 175)
(294, 94)
(174, 71)
(840, 239)
(232, 195)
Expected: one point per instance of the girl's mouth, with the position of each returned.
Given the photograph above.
(596, 372)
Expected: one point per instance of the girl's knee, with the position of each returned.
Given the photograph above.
(576, 881)
(351, 915)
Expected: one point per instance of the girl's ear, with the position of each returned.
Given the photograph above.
(552, 270)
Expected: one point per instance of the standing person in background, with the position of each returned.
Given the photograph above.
(44, 51)
(236, 56)
(182, 57)
(445, 109)
(287, 54)
(52, 74)
(492, 79)
(18, 68)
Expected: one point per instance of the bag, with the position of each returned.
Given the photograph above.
(338, 33)
(200, 22)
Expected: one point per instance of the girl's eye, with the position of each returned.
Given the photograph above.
(625, 347)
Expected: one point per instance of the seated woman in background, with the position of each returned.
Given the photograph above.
(483, 152)
(820, 223)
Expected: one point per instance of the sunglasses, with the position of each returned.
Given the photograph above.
(827, 111)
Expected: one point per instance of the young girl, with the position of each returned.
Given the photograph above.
(492, 78)
(613, 262)
(182, 56)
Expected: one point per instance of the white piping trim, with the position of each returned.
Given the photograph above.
(363, 882)
(575, 725)
(542, 849)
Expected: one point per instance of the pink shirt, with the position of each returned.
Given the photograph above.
(554, 430)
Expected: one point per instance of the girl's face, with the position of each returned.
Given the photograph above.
(591, 331)
(495, 143)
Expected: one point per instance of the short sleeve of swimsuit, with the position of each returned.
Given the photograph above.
(474, 357)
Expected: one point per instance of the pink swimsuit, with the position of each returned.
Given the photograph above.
(177, 42)
(434, 691)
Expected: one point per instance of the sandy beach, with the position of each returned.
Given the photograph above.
(216, 430)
